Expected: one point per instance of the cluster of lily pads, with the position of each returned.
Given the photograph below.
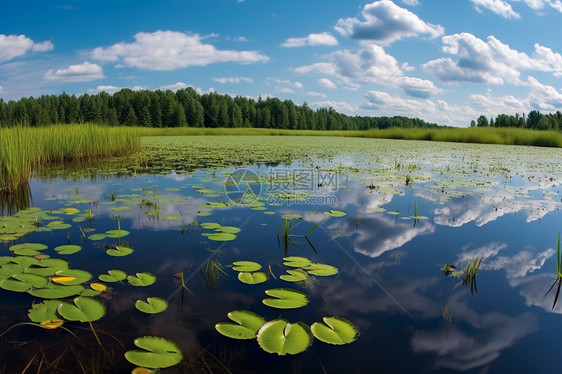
(281, 336)
(53, 280)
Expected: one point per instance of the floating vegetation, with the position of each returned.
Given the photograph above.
(155, 353)
(252, 278)
(113, 276)
(141, 279)
(152, 305)
(246, 266)
(335, 213)
(84, 309)
(67, 249)
(285, 298)
(335, 330)
(245, 325)
(558, 271)
(281, 337)
(119, 251)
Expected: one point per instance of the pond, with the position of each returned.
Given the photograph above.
(432, 257)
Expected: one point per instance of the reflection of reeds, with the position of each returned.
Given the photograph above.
(558, 271)
(446, 311)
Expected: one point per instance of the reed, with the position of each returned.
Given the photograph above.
(24, 149)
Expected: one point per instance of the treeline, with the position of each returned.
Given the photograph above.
(534, 120)
(186, 107)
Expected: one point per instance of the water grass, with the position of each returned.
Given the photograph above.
(482, 135)
(558, 270)
(25, 149)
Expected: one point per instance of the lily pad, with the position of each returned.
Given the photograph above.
(44, 311)
(155, 353)
(141, 279)
(79, 276)
(281, 337)
(119, 251)
(85, 309)
(47, 267)
(56, 291)
(228, 229)
(67, 249)
(113, 276)
(246, 266)
(99, 287)
(291, 216)
(116, 233)
(335, 330)
(51, 324)
(58, 225)
(214, 205)
(285, 298)
(252, 278)
(28, 249)
(295, 275)
(323, 270)
(222, 236)
(14, 285)
(335, 213)
(97, 236)
(152, 305)
(210, 225)
(296, 262)
(246, 325)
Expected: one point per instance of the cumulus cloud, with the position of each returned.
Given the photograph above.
(174, 87)
(171, 50)
(369, 64)
(411, 2)
(500, 7)
(233, 80)
(83, 72)
(12, 46)
(386, 22)
(489, 61)
(112, 89)
(312, 93)
(417, 87)
(326, 83)
(324, 38)
(340, 106)
(539, 5)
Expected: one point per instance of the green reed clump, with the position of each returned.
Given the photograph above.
(23, 149)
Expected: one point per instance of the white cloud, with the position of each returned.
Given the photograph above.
(1, 89)
(411, 2)
(539, 5)
(240, 39)
(369, 64)
(489, 61)
(316, 94)
(386, 22)
(174, 87)
(340, 106)
(417, 87)
(112, 89)
(171, 50)
(324, 38)
(326, 83)
(500, 7)
(83, 72)
(233, 80)
(12, 46)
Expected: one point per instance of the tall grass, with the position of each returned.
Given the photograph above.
(23, 149)
(490, 135)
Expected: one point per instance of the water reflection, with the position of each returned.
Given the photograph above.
(19, 199)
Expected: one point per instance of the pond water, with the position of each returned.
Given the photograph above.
(389, 215)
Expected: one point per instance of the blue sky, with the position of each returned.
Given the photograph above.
(443, 61)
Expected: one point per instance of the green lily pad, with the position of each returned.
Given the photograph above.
(14, 285)
(44, 311)
(291, 216)
(120, 208)
(156, 353)
(113, 276)
(246, 266)
(285, 298)
(323, 270)
(246, 325)
(80, 276)
(252, 278)
(210, 225)
(85, 309)
(296, 262)
(97, 236)
(222, 236)
(335, 213)
(56, 291)
(58, 225)
(141, 279)
(67, 249)
(281, 337)
(335, 330)
(47, 267)
(152, 305)
(214, 205)
(295, 275)
(114, 234)
(228, 229)
(36, 281)
(28, 249)
(119, 251)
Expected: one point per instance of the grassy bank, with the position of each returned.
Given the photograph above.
(508, 136)
(22, 148)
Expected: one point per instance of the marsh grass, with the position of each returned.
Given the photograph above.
(558, 270)
(482, 135)
(25, 149)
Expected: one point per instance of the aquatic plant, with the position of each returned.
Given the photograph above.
(245, 325)
(282, 337)
(155, 353)
(469, 277)
(558, 271)
(335, 330)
